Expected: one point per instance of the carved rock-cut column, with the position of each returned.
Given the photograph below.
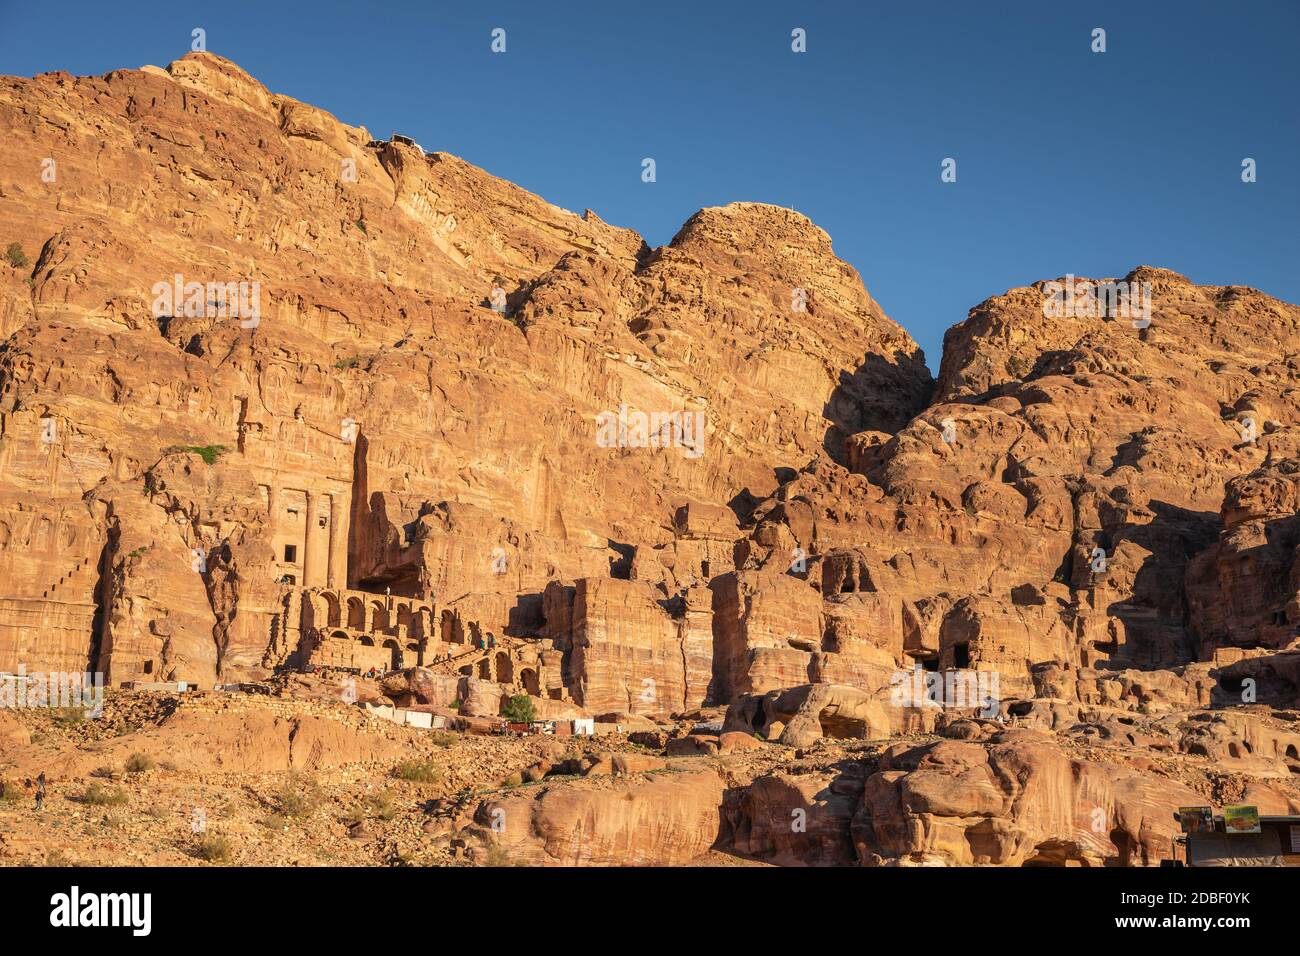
(338, 544)
(310, 566)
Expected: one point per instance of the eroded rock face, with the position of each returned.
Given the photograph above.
(1245, 591)
(970, 533)
(801, 716)
(1019, 800)
(1059, 499)
(650, 820)
(377, 424)
(633, 652)
(796, 819)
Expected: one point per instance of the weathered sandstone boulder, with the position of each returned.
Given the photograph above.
(1017, 799)
(651, 820)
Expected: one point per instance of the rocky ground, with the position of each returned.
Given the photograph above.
(119, 794)
(131, 787)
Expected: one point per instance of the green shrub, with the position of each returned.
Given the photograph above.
(209, 453)
(139, 763)
(352, 361)
(214, 849)
(442, 738)
(383, 805)
(298, 797)
(519, 709)
(497, 856)
(101, 796)
(10, 792)
(15, 256)
(418, 771)
(68, 716)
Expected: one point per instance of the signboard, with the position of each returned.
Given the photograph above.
(1196, 819)
(1295, 839)
(1241, 819)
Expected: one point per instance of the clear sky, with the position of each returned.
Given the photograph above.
(1068, 161)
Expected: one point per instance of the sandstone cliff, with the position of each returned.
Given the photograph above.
(377, 416)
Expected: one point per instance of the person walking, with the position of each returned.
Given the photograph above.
(40, 790)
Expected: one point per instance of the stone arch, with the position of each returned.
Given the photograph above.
(838, 726)
(404, 615)
(367, 640)
(356, 614)
(341, 635)
(451, 634)
(423, 617)
(505, 668)
(333, 615)
(378, 616)
(485, 669)
(531, 685)
(311, 612)
(396, 649)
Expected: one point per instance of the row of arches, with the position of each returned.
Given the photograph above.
(397, 658)
(362, 612)
(327, 609)
(406, 628)
(501, 670)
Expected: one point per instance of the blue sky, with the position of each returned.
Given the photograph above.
(1067, 160)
